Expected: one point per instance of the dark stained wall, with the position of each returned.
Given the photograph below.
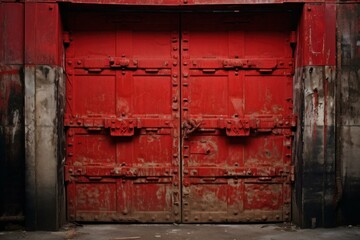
(12, 156)
(348, 112)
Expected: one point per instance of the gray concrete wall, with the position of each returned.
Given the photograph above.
(313, 198)
(43, 137)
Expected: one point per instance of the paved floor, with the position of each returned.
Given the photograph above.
(188, 232)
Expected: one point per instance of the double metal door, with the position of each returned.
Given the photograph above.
(178, 117)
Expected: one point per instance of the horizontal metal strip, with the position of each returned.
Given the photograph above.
(239, 126)
(248, 180)
(124, 216)
(236, 171)
(111, 72)
(107, 122)
(119, 171)
(198, 73)
(120, 62)
(232, 63)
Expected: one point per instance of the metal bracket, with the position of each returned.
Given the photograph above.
(190, 126)
(238, 127)
(122, 62)
(121, 127)
(263, 66)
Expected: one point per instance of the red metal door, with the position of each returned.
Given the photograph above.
(123, 117)
(141, 150)
(236, 117)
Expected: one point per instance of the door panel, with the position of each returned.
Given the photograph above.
(236, 118)
(122, 117)
(178, 117)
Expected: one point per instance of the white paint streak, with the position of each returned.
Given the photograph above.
(15, 125)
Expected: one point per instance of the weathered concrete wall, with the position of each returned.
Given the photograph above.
(42, 142)
(348, 110)
(314, 103)
(11, 144)
(315, 146)
(44, 105)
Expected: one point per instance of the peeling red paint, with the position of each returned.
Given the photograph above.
(172, 120)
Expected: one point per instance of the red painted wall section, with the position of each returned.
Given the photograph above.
(42, 34)
(316, 35)
(11, 33)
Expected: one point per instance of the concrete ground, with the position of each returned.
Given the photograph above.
(188, 232)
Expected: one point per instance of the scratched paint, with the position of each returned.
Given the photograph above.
(234, 148)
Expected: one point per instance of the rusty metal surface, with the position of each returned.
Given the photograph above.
(164, 125)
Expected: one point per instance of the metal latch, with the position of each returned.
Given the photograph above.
(262, 65)
(122, 62)
(121, 127)
(190, 126)
(237, 127)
